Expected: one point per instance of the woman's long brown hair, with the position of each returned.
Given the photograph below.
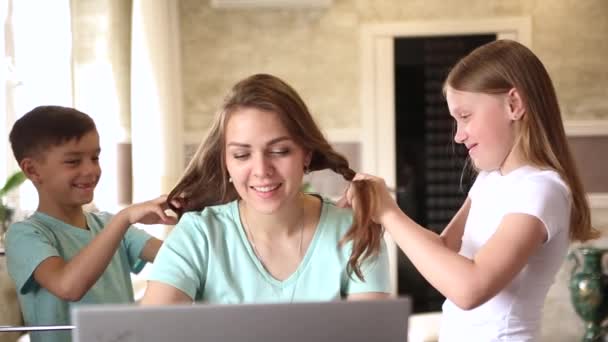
(205, 181)
(502, 65)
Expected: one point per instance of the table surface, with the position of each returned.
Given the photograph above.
(15, 328)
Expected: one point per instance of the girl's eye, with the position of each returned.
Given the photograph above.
(240, 156)
(72, 161)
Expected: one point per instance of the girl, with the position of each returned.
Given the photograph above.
(247, 233)
(497, 258)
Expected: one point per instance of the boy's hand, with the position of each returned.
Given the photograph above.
(149, 212)
(384, 201)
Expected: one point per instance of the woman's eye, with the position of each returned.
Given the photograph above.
(72, 161)
(240, 156)
(280, 152)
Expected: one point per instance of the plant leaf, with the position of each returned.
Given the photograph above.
(12, 182)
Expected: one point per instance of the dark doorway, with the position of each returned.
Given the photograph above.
(431, 180)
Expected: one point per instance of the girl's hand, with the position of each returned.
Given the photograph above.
(384, 201)
(149, 212)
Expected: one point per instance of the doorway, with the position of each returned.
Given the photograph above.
(431, 174)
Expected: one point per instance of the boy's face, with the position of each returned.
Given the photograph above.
(67, 174)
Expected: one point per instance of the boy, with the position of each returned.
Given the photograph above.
(61, 255)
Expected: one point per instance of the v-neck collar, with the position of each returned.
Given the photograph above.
(54, 223)
(293, 277)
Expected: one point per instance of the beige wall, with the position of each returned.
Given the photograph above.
(317, 51)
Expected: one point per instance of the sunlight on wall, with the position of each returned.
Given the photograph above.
(5, 64)
(42, 64)
(97, 97)
(42, 74)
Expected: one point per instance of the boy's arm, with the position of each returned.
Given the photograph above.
(71, 279)
(148, 253)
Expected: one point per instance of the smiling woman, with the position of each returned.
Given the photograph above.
(247, 232)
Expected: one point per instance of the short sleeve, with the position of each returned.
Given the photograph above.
(26, 247)
(375, 272)
(135, 240)
(181, 261)
(545, 198)
(476, 184)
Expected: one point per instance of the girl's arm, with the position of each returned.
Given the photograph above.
(158, 293)
(469, 282)
(452, 234)
(466, 282)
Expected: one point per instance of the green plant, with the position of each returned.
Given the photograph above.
(11, 184)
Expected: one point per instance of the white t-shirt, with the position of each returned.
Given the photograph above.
(515, 313)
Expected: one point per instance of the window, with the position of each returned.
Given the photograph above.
(35, 45)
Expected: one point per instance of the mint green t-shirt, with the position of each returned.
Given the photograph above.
(39, 237)
(209, 258)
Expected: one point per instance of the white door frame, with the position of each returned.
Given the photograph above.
(378, 86)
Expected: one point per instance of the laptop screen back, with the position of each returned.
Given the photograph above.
(351, 321)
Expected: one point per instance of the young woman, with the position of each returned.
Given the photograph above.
(247, 232)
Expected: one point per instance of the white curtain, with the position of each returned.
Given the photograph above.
(36, 68)
(124, 65)
(101, 82)
(156, 120)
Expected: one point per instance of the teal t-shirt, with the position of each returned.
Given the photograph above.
(39, 237)
(209, 258)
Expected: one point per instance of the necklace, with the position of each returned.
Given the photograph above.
(249, 233)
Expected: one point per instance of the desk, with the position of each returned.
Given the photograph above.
(10, 314)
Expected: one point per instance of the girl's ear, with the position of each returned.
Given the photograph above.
(517, 109)
(29, 166)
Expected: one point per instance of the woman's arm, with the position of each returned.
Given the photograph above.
(368, 296)
(158, 293)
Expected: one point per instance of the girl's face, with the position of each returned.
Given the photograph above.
(265, 164)
(485, 125)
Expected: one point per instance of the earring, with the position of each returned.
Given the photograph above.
(229, 179)
(306, 169)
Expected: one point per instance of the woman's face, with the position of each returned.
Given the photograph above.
(265, 164)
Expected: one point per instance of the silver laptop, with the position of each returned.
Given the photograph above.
(351, 321)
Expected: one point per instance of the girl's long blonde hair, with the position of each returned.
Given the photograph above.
(496, 68)
(205, 181)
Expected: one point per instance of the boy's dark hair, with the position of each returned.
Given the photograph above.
(47, 126)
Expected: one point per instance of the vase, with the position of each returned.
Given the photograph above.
(589, 290)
